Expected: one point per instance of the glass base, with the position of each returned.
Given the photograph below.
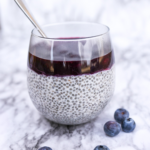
(71, 100)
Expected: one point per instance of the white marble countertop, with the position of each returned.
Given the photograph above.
(23, 128)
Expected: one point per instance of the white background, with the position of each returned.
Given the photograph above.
(129, 22)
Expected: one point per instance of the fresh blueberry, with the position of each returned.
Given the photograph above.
(101, 147)
(128, 125)
(120, 115)
(45, 148)
(112, 128)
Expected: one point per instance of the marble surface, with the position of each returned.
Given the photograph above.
(23, 128)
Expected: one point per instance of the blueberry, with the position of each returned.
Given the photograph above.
(112, 128)
(45, 148)
(101, 147)
(121, 114)
(128, 125)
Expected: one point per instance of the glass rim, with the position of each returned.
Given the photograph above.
(71, 39)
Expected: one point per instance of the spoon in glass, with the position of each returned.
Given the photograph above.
(23, 7)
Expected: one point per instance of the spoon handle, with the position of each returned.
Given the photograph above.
(22, 6)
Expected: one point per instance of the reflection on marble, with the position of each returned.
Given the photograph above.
(23, 128)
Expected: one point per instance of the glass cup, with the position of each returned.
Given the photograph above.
(71, 73)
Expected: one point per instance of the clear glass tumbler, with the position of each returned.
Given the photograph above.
(71, 73)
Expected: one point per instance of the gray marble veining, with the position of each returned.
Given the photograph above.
(23, 128)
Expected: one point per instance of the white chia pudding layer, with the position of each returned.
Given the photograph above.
(71, 100)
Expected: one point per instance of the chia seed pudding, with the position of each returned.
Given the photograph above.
(73, 91)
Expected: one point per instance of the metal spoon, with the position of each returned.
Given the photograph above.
(23, 7)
